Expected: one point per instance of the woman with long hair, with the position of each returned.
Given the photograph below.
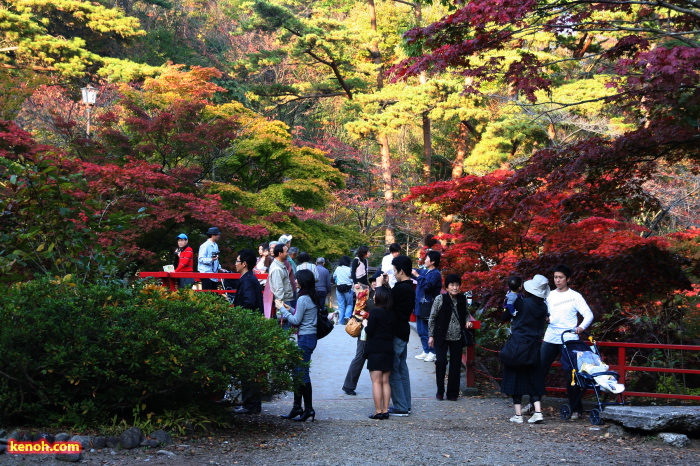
(359, 268)
(379, 328)
(305, 317)
(264, 253)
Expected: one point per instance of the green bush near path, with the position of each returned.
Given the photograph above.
(79, 354)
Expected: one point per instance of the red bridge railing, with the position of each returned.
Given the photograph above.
(171, 279)
(621, 367)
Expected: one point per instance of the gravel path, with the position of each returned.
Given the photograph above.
(472, 430)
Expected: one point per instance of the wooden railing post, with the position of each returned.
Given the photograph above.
(471, 369)
(469, 362)
(621, 364)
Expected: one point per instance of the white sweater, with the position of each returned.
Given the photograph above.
(564, 308)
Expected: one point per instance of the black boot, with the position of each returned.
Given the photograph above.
(296, 409)
(309, 412)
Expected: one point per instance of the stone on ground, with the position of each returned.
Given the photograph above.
(682, 419)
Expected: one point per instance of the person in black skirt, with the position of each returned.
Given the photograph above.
(528, 328)
(379, 327)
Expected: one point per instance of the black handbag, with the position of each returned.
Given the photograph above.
(424, 310)
(467, 335)
(323, 325)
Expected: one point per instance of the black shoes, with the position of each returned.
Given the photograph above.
(296, 411)
(309, 413)
(379, 416)
(242, 410)
(349, 392)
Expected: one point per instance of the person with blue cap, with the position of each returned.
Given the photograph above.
(208, 261)
(184, 259)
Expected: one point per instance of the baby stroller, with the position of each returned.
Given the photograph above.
(589, 372)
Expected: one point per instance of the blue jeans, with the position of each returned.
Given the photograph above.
(286, 325)
(399, 379)
(307, 344)
(345, 305)
(422, 327)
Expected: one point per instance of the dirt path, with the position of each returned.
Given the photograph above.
(472, 430)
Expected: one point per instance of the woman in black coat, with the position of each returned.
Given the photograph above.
(379, 349)
(448, 317)
(527, 330)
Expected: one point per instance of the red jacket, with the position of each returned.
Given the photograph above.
(186, 260)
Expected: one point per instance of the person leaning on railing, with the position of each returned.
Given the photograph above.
(208, 261)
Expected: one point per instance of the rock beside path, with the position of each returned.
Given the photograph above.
(675, 440)
(131, 438)
(681, 419)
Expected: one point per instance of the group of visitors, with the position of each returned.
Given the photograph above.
(530, 306)
(294, 291)
(383, 345)
(296, 288)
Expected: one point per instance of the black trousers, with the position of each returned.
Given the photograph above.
(208, 284)
(548, 353)
(250, 396)
(356, 366)
(455, 349)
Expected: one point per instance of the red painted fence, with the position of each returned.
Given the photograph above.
(171, 279)
(621, 366)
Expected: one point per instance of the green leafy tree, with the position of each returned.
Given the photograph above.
(69, 37)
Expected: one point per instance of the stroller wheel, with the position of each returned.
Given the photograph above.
(595, 417)
(565, 412)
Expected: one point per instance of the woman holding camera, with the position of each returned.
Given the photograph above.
(379, 328)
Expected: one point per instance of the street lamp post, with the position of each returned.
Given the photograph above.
(89, 98)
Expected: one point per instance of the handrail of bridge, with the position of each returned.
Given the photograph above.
(622, 368)
(170, 279)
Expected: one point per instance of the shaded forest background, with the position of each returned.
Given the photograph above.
(526, 133)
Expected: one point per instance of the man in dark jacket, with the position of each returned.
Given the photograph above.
(249, 291)
(404, 300)
(248, 296)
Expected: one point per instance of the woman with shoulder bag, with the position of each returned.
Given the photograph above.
(305, 316)
(448, 317)
(527, 330)
(360, 266)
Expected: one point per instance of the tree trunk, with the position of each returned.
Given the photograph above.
(387, 182)
(465, 128)
(382, 139)
(427, 141)
(374, 45)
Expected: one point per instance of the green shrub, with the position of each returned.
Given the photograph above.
(78, 354)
